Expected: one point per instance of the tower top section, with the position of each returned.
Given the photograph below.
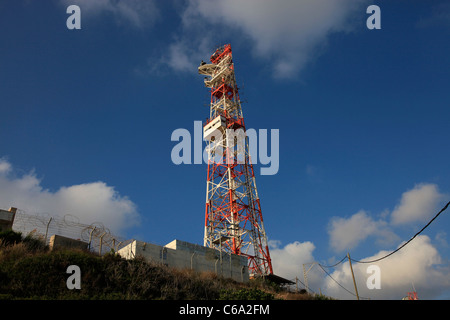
(220, 78)
(220, 53)
(221, 65)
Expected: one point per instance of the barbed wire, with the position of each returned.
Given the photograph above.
(42, 225)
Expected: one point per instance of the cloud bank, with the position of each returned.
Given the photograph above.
(89, 202)
(346, 234)
(417, 265)
(286, 36)
(416, 205)
(297, 253)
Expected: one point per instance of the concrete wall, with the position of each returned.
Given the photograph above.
(181, 254)
(57, 241)
(7, 219)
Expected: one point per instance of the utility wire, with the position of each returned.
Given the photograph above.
(334, 265)
(384, 257)
(340, 284)
(306, 287)
(398, 249)
(403, 245)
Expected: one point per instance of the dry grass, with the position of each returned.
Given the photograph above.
(30, 270)
(294, 296)
(13, 252)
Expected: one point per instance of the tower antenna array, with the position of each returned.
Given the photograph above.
(233, 218)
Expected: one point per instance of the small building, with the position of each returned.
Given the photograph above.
(57, 241)
(185, 255)
(7, 219)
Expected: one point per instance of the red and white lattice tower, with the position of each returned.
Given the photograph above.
(233, 218)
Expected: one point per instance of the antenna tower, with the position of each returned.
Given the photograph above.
(233, 218)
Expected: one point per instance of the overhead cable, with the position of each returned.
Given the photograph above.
(340, 284)
(396, 250)
(334, 265)
(403, 245)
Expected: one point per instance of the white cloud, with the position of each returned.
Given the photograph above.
(138, 13)
(184, 55)
(288, 260)
(418, 204)
(5, 166)
(418, 264)
(346, 234)
(288, 34)
(90, 202)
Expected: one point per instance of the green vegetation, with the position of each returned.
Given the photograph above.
(29, 270)
(246, 294)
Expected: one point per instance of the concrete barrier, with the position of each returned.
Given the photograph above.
(57, 241)
(181, 254)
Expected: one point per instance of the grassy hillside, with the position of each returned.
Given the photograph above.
(28, 270)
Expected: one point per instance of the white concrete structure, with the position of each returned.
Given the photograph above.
(181, 254)
(57, 241)
(7, 219)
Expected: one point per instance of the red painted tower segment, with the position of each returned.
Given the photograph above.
(233, 217)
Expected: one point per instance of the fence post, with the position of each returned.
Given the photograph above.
(192, 257)
(46, 230)
(117, 247)
(90, 237)
(101, 243)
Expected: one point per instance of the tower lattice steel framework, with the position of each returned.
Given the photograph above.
(233, 218)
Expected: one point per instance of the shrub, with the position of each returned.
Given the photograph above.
(9, 237)
(34, 244)
(246, 294)
(29, 271)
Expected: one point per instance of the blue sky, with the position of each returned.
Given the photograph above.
(363, 116)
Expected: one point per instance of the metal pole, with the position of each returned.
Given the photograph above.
(305, 278)
(353, 275)
(231, 269)
(192, 258)
(46, 231)
(118, 245)
(305, 274)
(219, 241)
(90, 237)
(101, 243)
(221, 264)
